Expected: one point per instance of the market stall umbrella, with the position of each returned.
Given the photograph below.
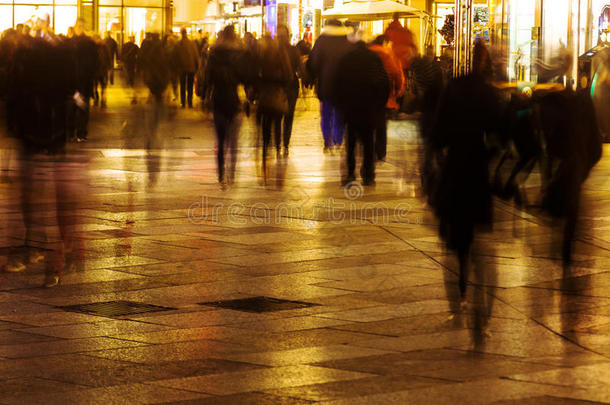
(371, 10)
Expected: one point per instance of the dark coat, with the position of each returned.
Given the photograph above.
(323, 62)
(469, 109)
(363, 87)
(86, 53)
(225, 71)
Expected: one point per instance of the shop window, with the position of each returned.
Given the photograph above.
(6, 17)
(65, 16)
(143, 3)
(28, 14)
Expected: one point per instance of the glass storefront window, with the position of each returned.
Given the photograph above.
(139, 21)
(27, 14)
(522, 48)
(109, 19)
(143, 3)
(65, 16)
(6, 17)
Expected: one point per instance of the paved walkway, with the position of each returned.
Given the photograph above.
(356, 295)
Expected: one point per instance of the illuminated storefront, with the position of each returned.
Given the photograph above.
(62, 13)
(123, 18)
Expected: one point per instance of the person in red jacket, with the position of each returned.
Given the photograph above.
(402, 41)
(396, 78)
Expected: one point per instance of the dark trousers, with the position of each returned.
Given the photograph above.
(186, 86)
(269, 120)
(81, 119)
(360, 130)
(381, 134)
(226, 137)
(287, 124)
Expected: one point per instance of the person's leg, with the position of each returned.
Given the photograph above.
(381, 134)
(288, 120)
(220, 124)
(103, 84)
(82, 120)
(277, 132)
(368, 153)
(266, 126)
(326, 122)
(183, 89)
(350, 146)
(190, 77)
(338, 126)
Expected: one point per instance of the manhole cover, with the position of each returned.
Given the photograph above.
(114, 308)
(259, 304)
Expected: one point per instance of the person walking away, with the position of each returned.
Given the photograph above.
(188, 60)
(129, 60)
(86, 54)
(363, 89)
(113, 53)
(224, 73)
(274, 76)
(322, 66)
(468, 111)
(101, 76)
(292, 87)
(397, 81)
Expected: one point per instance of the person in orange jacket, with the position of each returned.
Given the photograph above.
(402, 41)
(396, 77)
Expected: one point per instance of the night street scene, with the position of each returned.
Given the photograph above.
(305, 202)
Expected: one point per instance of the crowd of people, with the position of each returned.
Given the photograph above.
(467, 124)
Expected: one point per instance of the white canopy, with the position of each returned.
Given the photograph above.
(371, 10)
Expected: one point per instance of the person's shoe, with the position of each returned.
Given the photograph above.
(134, 101)
(51, 281)
(35, 257)
(15, 267)
(278, 154)
(326, 150)
(285, 152)
(368, 182)
(348, 180)
(103, 103)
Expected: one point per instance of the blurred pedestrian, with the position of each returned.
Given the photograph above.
(224, 73)
(362, 92)
(322, 67)
(113, 54)
(461, 196)
(274, 77)
(397, 82)
(188, 60)
(86, 54)
(101, 75)
(292, 86)
(402, 41)
(129, 60)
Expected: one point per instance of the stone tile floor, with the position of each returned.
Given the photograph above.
(386, 325)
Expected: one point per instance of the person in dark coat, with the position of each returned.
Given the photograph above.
(188, 60)
(86, 54)
(224, 73)
(461, 197)
(102, 73)
(322, 66)
(362, 90)
(45, 72)
(113, 54)
(274, 77)
(292, 86)
(129, 60)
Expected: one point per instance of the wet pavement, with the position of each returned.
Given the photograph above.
(293, 290)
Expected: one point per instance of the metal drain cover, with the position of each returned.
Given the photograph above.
(114, 308)
(259, 304)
